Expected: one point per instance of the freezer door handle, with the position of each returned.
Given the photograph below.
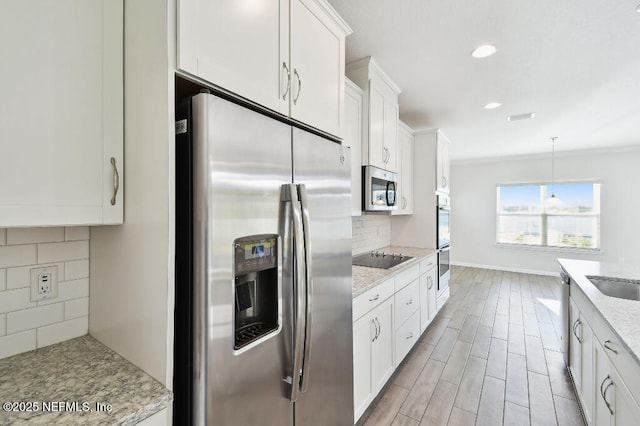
(302, 192)
(299, 291)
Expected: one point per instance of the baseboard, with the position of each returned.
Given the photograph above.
(506, 268)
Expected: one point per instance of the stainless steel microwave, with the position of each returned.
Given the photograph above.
(378, 189)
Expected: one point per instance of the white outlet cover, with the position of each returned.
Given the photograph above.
(35, 273)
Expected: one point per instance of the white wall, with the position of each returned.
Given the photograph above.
(26, 325)
(473, 208)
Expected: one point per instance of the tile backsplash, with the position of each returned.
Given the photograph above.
(370, 232)
(27, 325)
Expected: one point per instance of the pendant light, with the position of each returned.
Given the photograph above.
(553, 202)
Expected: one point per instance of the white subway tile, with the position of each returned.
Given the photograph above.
(34, 235)
(62, 331)
(3, 324)
(3, 279)
(68, 290)
(35, 317)
(18, 255)
(76, 308)
(76, 233)
(13, 300)
(21, 276)
(75, 269)
(3, 236)
(59, 252)
(13, 344)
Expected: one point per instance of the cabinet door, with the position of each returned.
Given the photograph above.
(382, 349)
(586, 369)
(602, 415)
(376, 146)
(391, 112)
(443, 163)
(363, 334)
(575, 347)
(240, 46)
(405, 177)
(353, 139)
(317, 60)
(424, 303)
(62, 107)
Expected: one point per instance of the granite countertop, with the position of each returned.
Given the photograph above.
(365, 278)
(63, 384)
(622, 315)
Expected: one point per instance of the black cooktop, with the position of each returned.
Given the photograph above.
(379, 260)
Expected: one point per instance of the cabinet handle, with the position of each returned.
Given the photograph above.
(603, 392)
(116, 181)
(373, 321)
(388, 156)
(430, 281)
(606, 345)
(286, 92)
(444, 182)
(575, 325)
(404, 202)
(374, 298)
(295, 72)
(379, 328)
(410, 302)
(410, 336)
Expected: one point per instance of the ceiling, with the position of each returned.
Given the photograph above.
(574, 63)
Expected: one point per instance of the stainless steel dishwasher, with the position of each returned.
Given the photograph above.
(563, 335)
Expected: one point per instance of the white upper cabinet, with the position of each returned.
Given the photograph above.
(405, 177)
(443, 163)
(379, 146)
(286, 55)
(353, 139)
(62, 113)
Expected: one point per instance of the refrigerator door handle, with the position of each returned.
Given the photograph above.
(302, 191)
(299, 291)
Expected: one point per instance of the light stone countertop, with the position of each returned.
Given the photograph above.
(365, 278)
(622, 315)
(80, 370)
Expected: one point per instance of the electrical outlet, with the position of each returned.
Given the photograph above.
(44, 283)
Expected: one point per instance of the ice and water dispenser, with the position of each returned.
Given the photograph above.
(256, 288)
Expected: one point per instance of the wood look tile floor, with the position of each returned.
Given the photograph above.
(491, 357)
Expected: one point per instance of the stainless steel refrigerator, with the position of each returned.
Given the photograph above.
(263, 270)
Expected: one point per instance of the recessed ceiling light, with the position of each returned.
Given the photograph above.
(493, 105)
(484, 51)
(526, 116)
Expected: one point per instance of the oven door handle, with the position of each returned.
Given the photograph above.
(445, 248)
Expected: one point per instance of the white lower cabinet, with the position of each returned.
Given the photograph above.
(388, 320)
(581, 359)
(614, 405)
(604, 374)
(373, 348)
(428, 298)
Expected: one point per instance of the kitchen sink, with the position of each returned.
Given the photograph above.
(617, 287)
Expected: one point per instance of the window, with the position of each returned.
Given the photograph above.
(549, 215)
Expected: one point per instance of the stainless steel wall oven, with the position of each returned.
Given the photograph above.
(443, 231)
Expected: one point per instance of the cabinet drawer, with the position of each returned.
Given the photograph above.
(406, 302)
(405, 277)
(372, 298)
(407, 336)
(628, 368)
(428, 264)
